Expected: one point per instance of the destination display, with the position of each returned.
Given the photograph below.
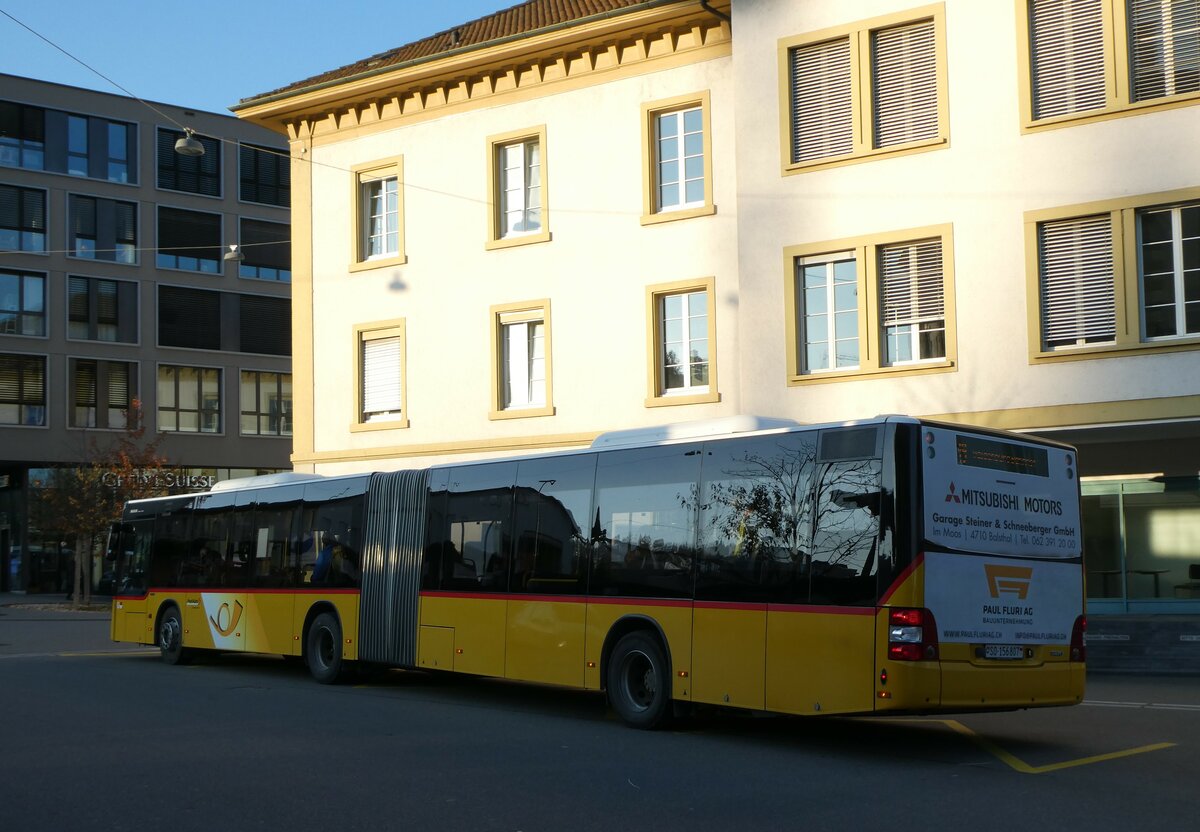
(1000, 497)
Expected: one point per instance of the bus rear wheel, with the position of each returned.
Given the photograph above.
(639, 685)
(324, 652)
(170, 638)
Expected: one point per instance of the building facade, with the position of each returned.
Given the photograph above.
(566, 218)
(114, 288)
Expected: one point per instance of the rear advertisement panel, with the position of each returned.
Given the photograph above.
(992, 600)
(1000, 496)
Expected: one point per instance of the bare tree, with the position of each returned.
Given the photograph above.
(84, 500)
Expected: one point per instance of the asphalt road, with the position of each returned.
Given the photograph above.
(103, 736)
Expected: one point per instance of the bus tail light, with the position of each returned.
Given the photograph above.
(912, 635)
(1079, 640)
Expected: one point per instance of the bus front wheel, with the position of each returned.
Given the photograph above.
(325, 661)
(170, 638)
(639, 685)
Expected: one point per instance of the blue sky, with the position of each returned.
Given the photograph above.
(209, 55)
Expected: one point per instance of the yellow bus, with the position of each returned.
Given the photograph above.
(885, 566)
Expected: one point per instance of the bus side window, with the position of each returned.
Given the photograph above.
(477, 547)
(846, 535)
(644, 540)
(553, 501)
(756, 519)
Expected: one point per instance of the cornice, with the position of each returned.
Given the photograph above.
(541, 64)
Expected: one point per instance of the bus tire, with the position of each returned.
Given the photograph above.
(324, 653)
(639, 684)
(170, 637)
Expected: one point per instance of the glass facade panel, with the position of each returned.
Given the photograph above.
(1140, 539)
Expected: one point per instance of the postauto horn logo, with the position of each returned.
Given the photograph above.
(1008, 580)
(226, 619)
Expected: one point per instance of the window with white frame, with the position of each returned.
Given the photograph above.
(683, 330)
(381, 218)
(1075, 70)
(1082, 279)
(519, 188)
(523, 360)
(871, 305)
(900, 97)
(829, 324)
(381, 366)
(679, 159)
(22, 303)
(101, 392)
(189, 399)
(266, 403)
(912, 302)
(1169, 265)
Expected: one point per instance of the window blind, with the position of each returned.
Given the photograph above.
(1164, 47)
(265, 325)
(266, 244)
(381, 377)
(911, 282)
(1067, 56)
(821, 100)
(189, 318)
(905, 84)
(1077, 294)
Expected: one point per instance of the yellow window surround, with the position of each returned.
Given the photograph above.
(865, 252)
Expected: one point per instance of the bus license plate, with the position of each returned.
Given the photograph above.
(1003, 651)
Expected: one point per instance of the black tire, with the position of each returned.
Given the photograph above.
(170, 637)
(639, 682)
(324, 649)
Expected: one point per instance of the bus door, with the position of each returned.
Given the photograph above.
(129, 549)
(821, 651)
(213, 615)
(467, 612)
(544, 639)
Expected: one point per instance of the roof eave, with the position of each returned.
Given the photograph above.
(264, 101)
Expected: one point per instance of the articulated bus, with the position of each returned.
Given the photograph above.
(886, 566)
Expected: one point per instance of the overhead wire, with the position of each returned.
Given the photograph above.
(284, 154)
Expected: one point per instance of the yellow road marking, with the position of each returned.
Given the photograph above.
(1017, 764)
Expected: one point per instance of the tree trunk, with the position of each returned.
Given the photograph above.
(77, 593)
(87, 581)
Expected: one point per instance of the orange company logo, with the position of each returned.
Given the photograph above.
(227, 619)
(951, 496)
(1008, 580)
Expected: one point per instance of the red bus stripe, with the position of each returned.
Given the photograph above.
(560, 599)
(731, 605)
(902, 577)
(818, 609)
(197, 590)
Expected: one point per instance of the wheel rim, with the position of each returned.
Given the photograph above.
(639, 681)
(168, 633)
(324, 649)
